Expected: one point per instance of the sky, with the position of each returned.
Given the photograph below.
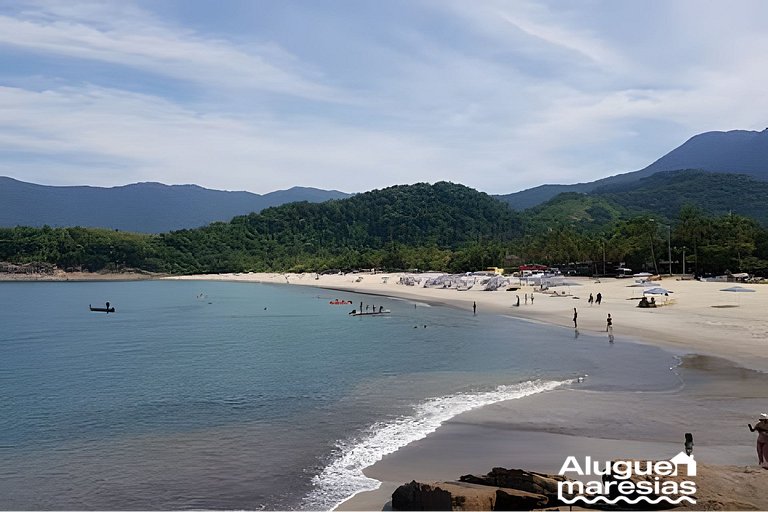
(355, 95)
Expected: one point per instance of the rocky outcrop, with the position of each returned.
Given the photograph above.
(463, 496)
(717, 488)
(27, 268)
(528, 481)
(513, 499)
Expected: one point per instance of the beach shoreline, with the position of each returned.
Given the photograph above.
(537, 432)
(61, 276)
(724, 366)
(720, 338)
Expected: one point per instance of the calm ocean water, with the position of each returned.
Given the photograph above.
(252, 396)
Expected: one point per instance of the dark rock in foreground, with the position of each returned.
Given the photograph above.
(528, 481)
(463, 496)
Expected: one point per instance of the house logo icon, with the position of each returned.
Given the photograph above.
(681, 459)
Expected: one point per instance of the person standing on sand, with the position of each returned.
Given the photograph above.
(599, 298)
(526, 298)
(518, 301)
(575, 315)
(531, 298)
(609, 324)
(474, 308)
(762, 440)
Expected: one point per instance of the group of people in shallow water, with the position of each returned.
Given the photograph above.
(517, 304)
(608, 323)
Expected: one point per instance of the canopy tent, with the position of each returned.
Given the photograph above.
(656, 290)
(738, 289)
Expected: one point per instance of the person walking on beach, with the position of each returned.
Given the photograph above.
(474, 308)
(526, 298)
(762, 440)
(591, 299)
(575, 315)
(599, 298)
(531, 298)
(518, 301)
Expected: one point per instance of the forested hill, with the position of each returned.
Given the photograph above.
(715, 193)
(736, 151)
(369, 229)
(427, 226)
(139, 207)
(662, 195)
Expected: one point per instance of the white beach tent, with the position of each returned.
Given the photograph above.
(737, 289)
(657, 290)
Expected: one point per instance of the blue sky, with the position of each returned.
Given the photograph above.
(355, 95)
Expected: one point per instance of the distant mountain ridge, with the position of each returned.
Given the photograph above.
(734, 152)
(140, 207)
(662, 196)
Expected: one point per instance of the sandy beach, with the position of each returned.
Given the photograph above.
(722, 338)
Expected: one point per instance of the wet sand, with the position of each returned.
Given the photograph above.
(538, 432)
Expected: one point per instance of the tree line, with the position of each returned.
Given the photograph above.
(444, 227)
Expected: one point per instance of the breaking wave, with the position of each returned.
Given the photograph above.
(343, 477)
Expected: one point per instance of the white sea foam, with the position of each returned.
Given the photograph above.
(343, 477)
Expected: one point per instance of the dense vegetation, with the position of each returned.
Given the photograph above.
(442, 226)
(438, 227)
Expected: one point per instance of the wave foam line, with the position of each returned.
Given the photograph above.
(343, 477)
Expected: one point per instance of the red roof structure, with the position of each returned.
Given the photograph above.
(533, 266)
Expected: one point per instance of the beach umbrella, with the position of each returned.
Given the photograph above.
(656, 290)
(737, 289)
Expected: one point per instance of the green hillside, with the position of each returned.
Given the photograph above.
(735, 152)
(583, 212)
(443, 226)
(665, 193)
(662, 196)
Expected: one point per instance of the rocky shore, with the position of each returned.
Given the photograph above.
(517, 489)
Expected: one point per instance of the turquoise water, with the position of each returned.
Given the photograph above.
(244, 396)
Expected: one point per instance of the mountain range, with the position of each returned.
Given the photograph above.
(734, 152)
(684, 175)
(140, 207)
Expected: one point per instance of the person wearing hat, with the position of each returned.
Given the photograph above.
(762, 439)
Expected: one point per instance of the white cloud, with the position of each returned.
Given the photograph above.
(522, 94)
(134, 39)
(150, 139)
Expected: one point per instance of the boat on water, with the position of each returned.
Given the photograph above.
(369, 313)
(107, 309)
